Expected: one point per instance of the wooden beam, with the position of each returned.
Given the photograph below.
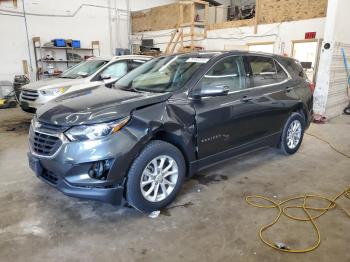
(181, 18)
(206, 19)
(194, 34)
(261, 43)
(175, 43)
(185, 2)
(180, 23)
(192, 23)
(200, 2)
(195, 23)
(257, 16)
(25, 67)
(170, 41)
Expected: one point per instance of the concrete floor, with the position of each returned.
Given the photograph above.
(209, 221)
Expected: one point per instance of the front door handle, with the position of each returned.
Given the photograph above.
(288, 89)
(246, 99)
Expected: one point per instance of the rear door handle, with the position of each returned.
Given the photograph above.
(246, 99)
(288, 89)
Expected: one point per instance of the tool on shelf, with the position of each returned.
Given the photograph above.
(51, 57)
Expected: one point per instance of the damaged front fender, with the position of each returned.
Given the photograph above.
(172, 121)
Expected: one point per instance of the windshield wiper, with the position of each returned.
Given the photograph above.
(66, 77)
(129, 88)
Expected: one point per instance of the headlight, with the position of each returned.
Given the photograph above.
(54, 91)
(35, 123)
(92, 132)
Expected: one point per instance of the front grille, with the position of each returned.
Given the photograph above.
(50, 177)
(44, 144)
(51, 127)
(29, 95)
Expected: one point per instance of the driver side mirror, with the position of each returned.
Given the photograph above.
(211, 91)
(105, 76)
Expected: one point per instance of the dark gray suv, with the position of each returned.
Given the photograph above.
(166, 120)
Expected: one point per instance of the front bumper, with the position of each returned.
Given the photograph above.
(109, 194)
(32, 104)
(68, 168)
(112, 195)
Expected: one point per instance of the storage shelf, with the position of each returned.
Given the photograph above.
(63, 58)
(60, 61)
(69, 48)
(54, 74)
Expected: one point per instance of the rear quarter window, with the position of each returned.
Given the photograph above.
(296, 68)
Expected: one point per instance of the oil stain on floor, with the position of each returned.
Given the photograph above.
(208, 179)
(19, 125)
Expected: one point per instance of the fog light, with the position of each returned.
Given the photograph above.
(100, 169)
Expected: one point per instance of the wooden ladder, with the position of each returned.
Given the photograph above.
(174, 40)
(192, 36)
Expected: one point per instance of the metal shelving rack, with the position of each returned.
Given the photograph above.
(38, 50)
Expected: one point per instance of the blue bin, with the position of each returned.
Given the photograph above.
(59, 42)
(76, 43)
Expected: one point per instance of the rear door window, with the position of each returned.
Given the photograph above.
(264, 71)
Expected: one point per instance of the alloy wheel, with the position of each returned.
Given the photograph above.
(159, 178)
(294, 134)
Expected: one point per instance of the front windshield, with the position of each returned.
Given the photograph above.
(164, 74)
(83, 69)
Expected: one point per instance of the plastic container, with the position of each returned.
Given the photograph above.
(76, 43)
(59, 42)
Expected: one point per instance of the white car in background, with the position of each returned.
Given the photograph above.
(90, 73)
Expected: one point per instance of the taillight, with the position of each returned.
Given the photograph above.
(312, 87)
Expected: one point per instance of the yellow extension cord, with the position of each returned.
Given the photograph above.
(282, 209)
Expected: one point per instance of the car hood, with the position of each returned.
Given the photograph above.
(52, 83)
(95, 105)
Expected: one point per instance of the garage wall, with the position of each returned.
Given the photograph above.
(330, 96)
(232, 38)
(338, 98)
(281, 34)
(86, 20)
(271, 11)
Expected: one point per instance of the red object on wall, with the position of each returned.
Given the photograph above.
(310, 35)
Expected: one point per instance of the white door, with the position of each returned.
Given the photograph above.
(306, 53)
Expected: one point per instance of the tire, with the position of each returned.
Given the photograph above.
(143, 170)
(287, 145)
(347, 110)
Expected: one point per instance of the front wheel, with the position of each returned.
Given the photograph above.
(292, 134)
(155, 177)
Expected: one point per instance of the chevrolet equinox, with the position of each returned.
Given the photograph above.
(166, 120)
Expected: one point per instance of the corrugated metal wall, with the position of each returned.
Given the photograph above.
(337, 93)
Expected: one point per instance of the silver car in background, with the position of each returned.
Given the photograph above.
(90, 73)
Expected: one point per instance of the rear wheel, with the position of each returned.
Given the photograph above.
(155, 177)
(292, 134)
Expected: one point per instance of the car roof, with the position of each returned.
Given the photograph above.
(213, 53)
(122, 57)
